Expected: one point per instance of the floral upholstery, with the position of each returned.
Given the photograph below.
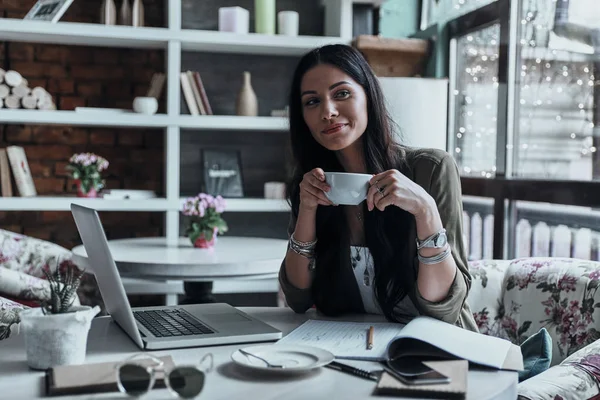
(22, 260)
(576, 377)
(513, 299)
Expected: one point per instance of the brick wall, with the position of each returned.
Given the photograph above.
(94, 77)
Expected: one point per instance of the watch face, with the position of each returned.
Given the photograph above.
(441, 240)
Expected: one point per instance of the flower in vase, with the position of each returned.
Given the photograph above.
(85, 170)
(205, 221)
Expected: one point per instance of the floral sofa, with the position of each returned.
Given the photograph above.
(513, 299)
(22, 283)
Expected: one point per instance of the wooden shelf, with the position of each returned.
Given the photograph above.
(275, 45)
(70, 33)
(253, 205)
(63, 203)
(61, 117)
(232, 122)
(109, 119)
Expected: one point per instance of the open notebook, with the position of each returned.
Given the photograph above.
(424, 336)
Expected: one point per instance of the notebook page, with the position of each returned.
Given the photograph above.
(345, 339)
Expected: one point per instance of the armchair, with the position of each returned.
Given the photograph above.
(513, 299)
(22, 282)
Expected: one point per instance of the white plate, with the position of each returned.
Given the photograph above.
(294, 358)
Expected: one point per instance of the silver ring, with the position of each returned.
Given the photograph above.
(380, 190)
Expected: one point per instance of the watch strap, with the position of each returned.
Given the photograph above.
(428, 240)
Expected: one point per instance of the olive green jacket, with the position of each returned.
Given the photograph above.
(437, 173)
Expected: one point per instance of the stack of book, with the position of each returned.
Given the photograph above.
(194, 93)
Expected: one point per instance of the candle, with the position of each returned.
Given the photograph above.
(288, 23)
(234, 19)
(264, 16)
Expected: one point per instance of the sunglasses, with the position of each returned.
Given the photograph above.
(183, 381)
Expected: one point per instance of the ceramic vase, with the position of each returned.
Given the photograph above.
(125, 13)
(108, 13)
(137, 14)
(56, 339)
(202, 243)
(246, 103)
(92, 193)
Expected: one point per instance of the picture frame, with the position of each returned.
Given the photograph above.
(48, 10)
(222, 172)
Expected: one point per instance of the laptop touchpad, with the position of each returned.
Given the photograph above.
(227, 317)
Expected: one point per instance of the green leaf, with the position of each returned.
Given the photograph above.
(523, 328)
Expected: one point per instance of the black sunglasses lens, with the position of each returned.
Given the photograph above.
(134, 379)
(187, 381)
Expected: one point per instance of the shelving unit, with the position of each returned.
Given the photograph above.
(174, 41)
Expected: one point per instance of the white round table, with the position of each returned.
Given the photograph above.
(107, 342)
(153, 260)
(232, 257)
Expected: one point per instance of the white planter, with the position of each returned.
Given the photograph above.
(56, 339)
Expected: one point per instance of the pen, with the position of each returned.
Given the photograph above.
(370, 338)
(352, 370)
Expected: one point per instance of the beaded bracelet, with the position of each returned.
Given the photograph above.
(304, 249)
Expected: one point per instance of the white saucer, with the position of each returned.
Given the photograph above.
(294, 358)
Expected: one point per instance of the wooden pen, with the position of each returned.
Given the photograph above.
(370, 338)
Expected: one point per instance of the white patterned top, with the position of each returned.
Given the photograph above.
(364, 272)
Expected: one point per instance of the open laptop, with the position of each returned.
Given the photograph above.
(163, 327)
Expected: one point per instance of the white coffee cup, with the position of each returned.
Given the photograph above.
(145, 105)
(347, 188)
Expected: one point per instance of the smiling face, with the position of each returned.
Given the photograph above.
(334, 107)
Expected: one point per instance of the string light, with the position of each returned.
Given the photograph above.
(545, 75)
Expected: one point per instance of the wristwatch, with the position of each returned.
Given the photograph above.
(435, 241)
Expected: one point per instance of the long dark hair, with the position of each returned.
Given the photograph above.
(387, 232)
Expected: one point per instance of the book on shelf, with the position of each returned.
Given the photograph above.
(203, 95)
(188, 94)
(195, 93)
(423, 337)
(5, 182)
(20, 168)
(156, 85)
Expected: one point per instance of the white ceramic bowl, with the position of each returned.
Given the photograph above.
(145, 105)
(347, 188)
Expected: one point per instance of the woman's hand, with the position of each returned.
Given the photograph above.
(394, 188)
(312, 190)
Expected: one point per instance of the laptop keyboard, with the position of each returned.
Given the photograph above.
(172, 322)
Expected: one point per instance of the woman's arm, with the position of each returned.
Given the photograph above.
(443, 288)
(296, 266)
(434, 199)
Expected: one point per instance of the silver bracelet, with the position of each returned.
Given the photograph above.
(305, 249)
(438, 258)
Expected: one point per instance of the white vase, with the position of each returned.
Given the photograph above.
(56, 339)
(137, 14)
(247, 103)
(108, 13)
(125, 13)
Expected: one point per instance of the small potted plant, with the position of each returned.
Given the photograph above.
(85, 170)
(205, 221)
(56, 333)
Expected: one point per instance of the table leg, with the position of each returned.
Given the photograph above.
(198, 293)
